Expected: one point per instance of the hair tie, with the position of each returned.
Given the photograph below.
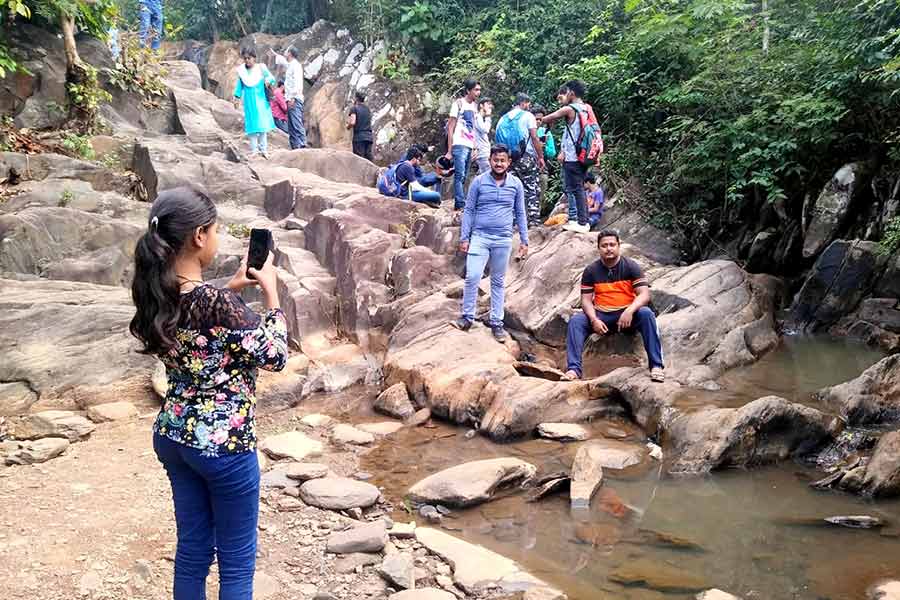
(154, 223)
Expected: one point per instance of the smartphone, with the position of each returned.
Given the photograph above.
(260, 245)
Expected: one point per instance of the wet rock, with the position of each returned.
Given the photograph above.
(886, 590)
(398, 569)
(395, 402)
(430, 513)
(716, 594)
(381, 429)
(657, 576)
(879, 476)
(339, 493)
(597, 534)
(763, 431)
(667, 540)
(422, 594)
(871, 398)
(348, 434)
(587, 475)
(842, 276)
(830, 210)
(53, 423)
(370, 537)
(316, 420)
(564, 432)
(475, 568)
(547, 488)
(32, 452)
(855, 521)
(471, 483)
(293, 445)
(112, 411)
(306, 471)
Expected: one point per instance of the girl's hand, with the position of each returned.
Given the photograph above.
(240, 280)
(268, 281)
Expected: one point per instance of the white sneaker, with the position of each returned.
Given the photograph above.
(573, 226)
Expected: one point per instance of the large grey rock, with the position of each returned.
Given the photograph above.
(871, 398)
(395, 402)
(471, 483)
(831, 209)
(339, 493)
(70, 343)
(880, 477)
(766, 430)
(32, 452)
(844, 274)
(370, 537)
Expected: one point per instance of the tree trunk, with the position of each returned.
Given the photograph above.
(214, 29)
(264, 28)
(765, 10)
(73, 61)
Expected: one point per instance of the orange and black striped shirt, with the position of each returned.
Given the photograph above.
(613, 288)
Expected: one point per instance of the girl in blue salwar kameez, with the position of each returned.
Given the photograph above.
(251, 87)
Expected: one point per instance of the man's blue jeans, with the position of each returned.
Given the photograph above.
(216, 510)
(150, 13)
(483, 250)
(428, 196)
(462, 156)
(580, 330)
(296, 130)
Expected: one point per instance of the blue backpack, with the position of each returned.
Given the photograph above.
(510, 134)
(388, 184)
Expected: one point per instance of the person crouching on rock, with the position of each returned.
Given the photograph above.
(615, 297)
(495, 202)
(212, 345)
(251, 86)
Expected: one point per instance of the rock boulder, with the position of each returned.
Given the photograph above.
(471, 483)
(870, 399)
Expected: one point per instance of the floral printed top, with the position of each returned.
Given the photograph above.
(212, 370)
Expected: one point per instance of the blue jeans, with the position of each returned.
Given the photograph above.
(573, 183)
(594, 218)
(296, 130)
(462, 156)
(484, 164)
(282, 125)
(428, 196)
(259, 141)
(483, 250)
(216, 510)
(580, 330)
(150, 13)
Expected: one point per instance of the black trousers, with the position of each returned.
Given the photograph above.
(363, 149)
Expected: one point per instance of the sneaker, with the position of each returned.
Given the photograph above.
(657, 375)
(499, 333)
(462, 323)
(572, 226)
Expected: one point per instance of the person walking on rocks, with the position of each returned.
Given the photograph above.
(574, 171)
(615, 297)
(495, 203)
(279, 107)
(518, 130)
(150, 13)
(483, 135)
(251, 86)
(293, 94)
(461, 138)
(211, 344)
(360, 121)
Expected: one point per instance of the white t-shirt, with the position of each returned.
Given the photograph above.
(526, 122)
(465, 112)
(482, 135)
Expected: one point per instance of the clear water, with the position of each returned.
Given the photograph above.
(754, 533)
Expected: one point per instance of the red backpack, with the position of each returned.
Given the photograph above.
(589, 145)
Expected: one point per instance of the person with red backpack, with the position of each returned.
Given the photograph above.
(582, 145)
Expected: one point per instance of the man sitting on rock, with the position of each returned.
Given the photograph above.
(496, 201)
(614, 297)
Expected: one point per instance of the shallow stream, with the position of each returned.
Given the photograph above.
(757, 533)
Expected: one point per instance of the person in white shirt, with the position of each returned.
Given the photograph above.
(461, 138)
(482, 135)
(293, 94)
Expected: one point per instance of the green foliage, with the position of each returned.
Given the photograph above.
(394, 65)
(138, 70)
(78, 145)
(86, 96)
(65, 198)
(890, 241)
(238, 230)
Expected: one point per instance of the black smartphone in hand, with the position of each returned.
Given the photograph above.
(260, 245)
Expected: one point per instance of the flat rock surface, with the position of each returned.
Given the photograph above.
(370, 537)
(53, 423)
(293, 445)
(398, 569)
(564, 432)
(423, 594)
(112, 411)
(32, 452)
(471, 483)
(657, 576)
(339, 493)
(348, 434)
(383, 428)
(306, 471)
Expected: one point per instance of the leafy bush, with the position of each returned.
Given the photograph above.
(78, 145)
(890, 241)
(138, 70)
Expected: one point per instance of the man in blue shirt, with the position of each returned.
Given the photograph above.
(495, 202)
